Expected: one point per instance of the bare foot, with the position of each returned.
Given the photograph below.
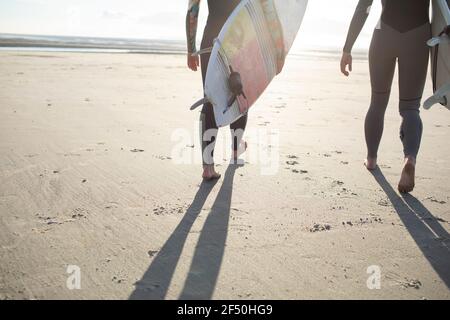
(209, 173)
(407, 182)
(370, 163)
(241, 149)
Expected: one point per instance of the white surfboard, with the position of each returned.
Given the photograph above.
(253, 44)
(440, 55)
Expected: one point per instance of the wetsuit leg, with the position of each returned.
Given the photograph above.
(382, 61)
(208, 126)
(237, 129)
(413, 66)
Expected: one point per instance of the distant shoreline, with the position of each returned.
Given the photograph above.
(13, 42)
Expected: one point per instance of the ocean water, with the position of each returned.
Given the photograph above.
(88, 44)
(48, 43)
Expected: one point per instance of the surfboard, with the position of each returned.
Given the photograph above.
(248, 53)
(440, 54)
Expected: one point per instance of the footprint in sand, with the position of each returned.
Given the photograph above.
(319, 227)
(111, 205)
(162, 157)
(151, 253)
(117, 279)
(433, 199)
(299, 171)
(31, 155)
(411, 283)
(384, 203)
(337, 183)
(79, 213)
(165, 210)
(48, 220)
(363, 221)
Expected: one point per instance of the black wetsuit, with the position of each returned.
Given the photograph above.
(219, 11)
(400, 35)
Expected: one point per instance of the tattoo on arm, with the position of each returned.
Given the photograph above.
(191, 24)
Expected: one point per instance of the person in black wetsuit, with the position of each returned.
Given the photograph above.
(400, 37)
(219, 12)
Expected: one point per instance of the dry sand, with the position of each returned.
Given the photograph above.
(88, 178)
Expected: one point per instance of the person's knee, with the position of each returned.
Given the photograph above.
(379, 100)
(409, 105)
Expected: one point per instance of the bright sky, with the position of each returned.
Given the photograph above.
(325, 23)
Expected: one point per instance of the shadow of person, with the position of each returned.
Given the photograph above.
(423, 226)
(155, 282)
(209, 251)
(204, 270)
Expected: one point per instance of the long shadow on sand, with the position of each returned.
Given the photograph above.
(429, 235)
(208, 255)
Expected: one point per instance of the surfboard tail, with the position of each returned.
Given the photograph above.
(441, 96)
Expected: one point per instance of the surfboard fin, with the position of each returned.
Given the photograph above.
(203, 51)
(236, 87)
(199, 103)
(440, 96)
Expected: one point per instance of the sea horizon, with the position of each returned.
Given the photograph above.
(84, 44)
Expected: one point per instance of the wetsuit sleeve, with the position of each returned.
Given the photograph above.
(191, 24)
(358, 21)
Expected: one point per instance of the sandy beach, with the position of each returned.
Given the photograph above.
(99, 169)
